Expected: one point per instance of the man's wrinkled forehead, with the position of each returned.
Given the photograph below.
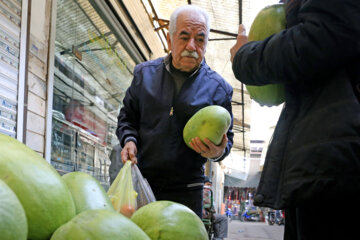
(188, 20)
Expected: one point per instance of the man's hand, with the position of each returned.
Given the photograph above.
(240, 41)
(129, 152)
(207, 149)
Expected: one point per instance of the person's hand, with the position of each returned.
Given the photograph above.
(129, 152)
(208, 149)
(241, 39)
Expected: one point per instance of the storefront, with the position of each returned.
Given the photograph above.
(64, 68)
(12, 45)
(93, 66)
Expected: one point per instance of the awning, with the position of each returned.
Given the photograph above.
(251, 182)
(242, 179)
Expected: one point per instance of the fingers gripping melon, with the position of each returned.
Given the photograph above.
(268, 21)
(44, 195)
(87, 192)
(13, 225)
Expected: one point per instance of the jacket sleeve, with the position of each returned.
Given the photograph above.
(326, 38)
(128, 119)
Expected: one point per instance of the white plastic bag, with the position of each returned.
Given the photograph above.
(144, 193)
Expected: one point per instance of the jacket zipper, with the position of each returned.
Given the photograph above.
(171, 111)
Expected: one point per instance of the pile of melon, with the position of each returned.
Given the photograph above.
(37, 203)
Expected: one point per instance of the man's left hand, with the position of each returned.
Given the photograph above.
(208, 149)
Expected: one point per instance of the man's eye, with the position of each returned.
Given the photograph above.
(200, 40)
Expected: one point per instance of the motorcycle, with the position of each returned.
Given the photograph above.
(276, 216)
(251, 217)
(229, 214)
(271, 217)
(280, 218)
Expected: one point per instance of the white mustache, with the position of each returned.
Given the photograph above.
(187, 53)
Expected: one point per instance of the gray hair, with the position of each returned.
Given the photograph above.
(188, 8)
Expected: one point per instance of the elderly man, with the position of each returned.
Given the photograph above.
(164, 94)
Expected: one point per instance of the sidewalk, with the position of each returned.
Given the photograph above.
(254, 231)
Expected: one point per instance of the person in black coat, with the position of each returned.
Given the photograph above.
(313, 161)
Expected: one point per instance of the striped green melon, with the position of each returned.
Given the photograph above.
(99, 225)
(43, 194)
(164, 220)
(87, 192)
(268, 21)
(13, 223)
(210, 122)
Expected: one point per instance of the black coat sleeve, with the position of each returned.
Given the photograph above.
(230, 133)
(326, 38)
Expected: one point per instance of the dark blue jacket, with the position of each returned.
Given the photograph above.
(314, 155)
(163, 157)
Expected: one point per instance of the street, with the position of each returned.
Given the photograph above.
(254, 231)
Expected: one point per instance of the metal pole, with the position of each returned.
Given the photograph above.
(50, 82)
(21, 108)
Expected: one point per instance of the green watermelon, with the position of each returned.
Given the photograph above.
(210, 122)
(163, 220)
(13, 225)
(43, 194)
(87, 192)
(100, 225)
(268, 21)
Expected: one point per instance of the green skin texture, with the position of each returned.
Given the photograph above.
(13, 223)
(44, 195)
(210, 122)
(99, 225)
(163, 220)
(87, 192)
(270, 20)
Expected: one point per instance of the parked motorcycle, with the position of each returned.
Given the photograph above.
(276, 216)
(271, 217)
(247, 216)
(229, 214)
(279, 217)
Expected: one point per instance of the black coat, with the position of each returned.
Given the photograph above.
(314, 155)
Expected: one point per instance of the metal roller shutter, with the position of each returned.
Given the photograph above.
(10, 37)
(10, 22)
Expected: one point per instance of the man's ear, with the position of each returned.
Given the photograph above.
(168, 39)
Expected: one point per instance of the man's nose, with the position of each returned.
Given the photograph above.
(190, 46)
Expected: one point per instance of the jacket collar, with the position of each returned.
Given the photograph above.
(167, 62)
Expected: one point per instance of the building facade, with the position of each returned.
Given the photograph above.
(65, 66)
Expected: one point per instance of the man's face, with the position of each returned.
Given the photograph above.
(208, 184)
(189, 38)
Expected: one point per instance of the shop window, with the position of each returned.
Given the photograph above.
(91, 74)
